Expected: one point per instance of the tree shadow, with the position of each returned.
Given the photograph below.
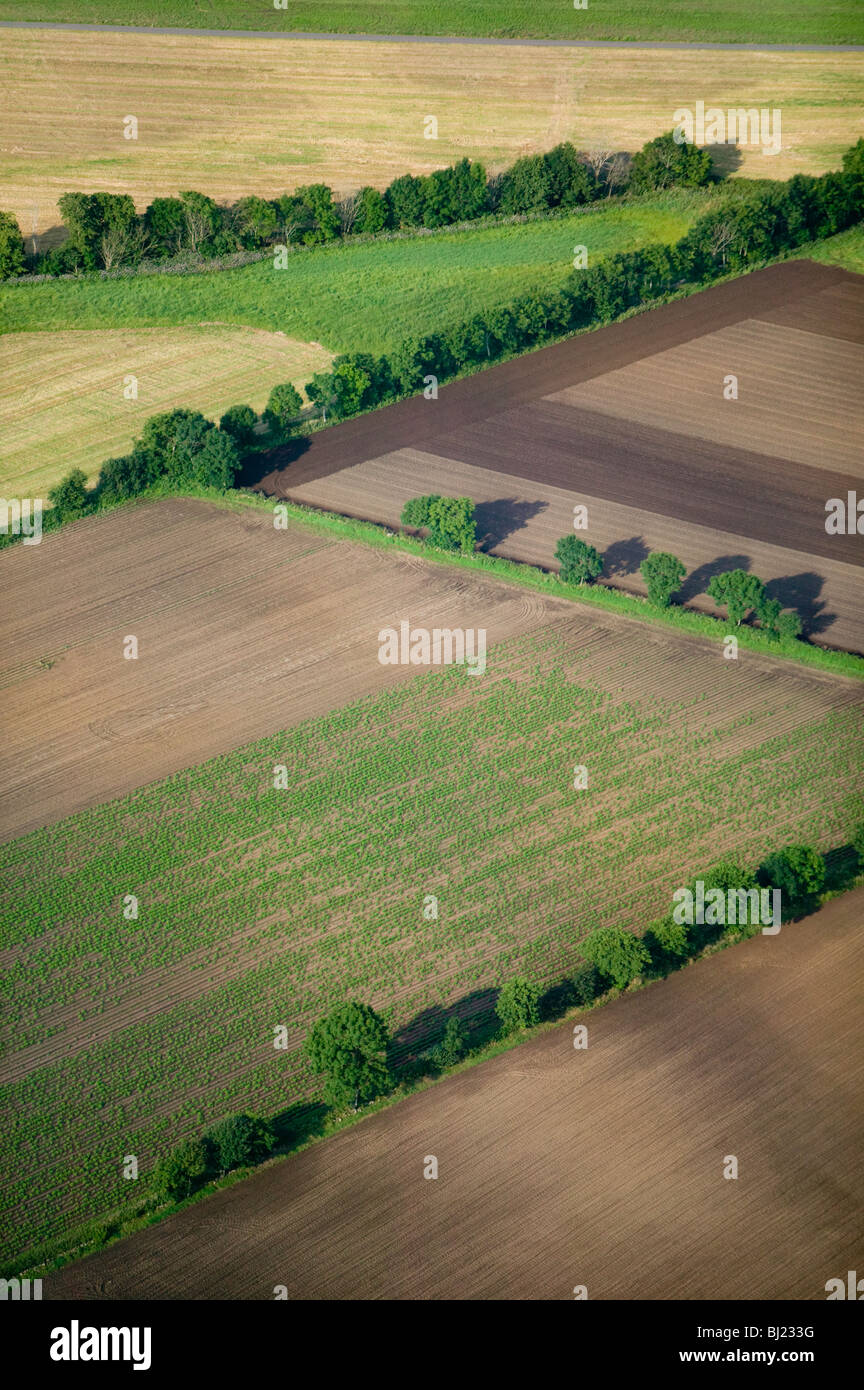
(725, 158)
(624, 557)
(801, 592)
(299, 1122)
(696, 582)
(842, 866)
(405, 1055)
(499, 519)
(257, 465)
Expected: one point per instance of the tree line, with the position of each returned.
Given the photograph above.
(106, 232)
(351, 1047)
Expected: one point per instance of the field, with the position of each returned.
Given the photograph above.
(62, 402)
(353, 113)
(740, 1054)
(719, 21)
(364, 296)
(261, 906)
(630, 420)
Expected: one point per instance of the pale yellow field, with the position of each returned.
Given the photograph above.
(230, 116)
(62, 402)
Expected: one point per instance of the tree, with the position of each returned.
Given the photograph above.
(580, 562)
(238, 1142)
(662, 574)
(518, 1004)
(186, 447)
(256, 220)
(348, 209)
(663, 162)
(406, 201)
(178, 1174)
(239, 423)
(778, 623)
(617, 954)
(201, 219)
(571, 179)
(125, 477)
(70, 497)
(450, 521)
(11, 247)
(371, 211)
(96, 221)
(799, 872)
(165, 219)
(349, 1046)
(857, 842)
(448, 1051)
(284, 408)
(527, 185)
(738, 591)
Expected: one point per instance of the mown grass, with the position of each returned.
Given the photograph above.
(719, 21)
(364, 296)
(450, 785)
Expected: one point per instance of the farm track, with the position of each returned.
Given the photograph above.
(740, 1054)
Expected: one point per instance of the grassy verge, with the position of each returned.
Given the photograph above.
(687, 21)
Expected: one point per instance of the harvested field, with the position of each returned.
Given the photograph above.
(261, 905)
(609, 1160)
(63, 403)
(543, 421)
(524, 520)
(353, 113)
(242, 630)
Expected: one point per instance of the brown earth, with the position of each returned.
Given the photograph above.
(633, 414)
(242, 630)
(559, 1167)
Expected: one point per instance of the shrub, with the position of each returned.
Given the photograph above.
(239, 423)
(518, 1004)
(799, 872)
(178, 1174)
(617, 954)
(662, 574)
(238, 1142)
(11, 247)
(70, 498)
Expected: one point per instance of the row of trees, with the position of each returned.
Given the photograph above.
(350, 1046)
(738, 591)
(105, 231)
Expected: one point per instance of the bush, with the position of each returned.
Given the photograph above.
(239, 423)
(70, 497)
(449, 1050)
(450, 521)
(238, 1142)
(580, 562)
(738, 591)
(663, 162)
(518, 1005)
(176, 1176)
(11, 247)
(126, 477)
(617, 954)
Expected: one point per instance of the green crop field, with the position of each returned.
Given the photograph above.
(360, 297)
(261, 907)
(719, 21)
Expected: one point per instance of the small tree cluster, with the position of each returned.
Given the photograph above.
(449, 521)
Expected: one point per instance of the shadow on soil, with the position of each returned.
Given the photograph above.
(697, 580)
(801, 592)
(499, 519)
(257, 466)
(624, 557)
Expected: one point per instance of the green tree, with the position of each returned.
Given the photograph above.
(662, 574)
(580, 563)
(450, 521)
(165, 220)
(178, 1174)
(70, 498)
(125, 477)
(799, 872)
(239, 422)
(238, 1142)
(617, 954)
(526, 186)
(663, 162)
(284, 408)
(349, 1047)
(371, 211)
(256, 220)
(448, 1051)
(11, 247)
(738, 591)
(518, 1004)
(774, 620)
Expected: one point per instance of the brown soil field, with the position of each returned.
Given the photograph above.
(351, 114)
(606, 1161)
(523, 521)
(673, 448)
(242, 630)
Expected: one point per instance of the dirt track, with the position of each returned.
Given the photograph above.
(606, 1163)
(531, 419)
